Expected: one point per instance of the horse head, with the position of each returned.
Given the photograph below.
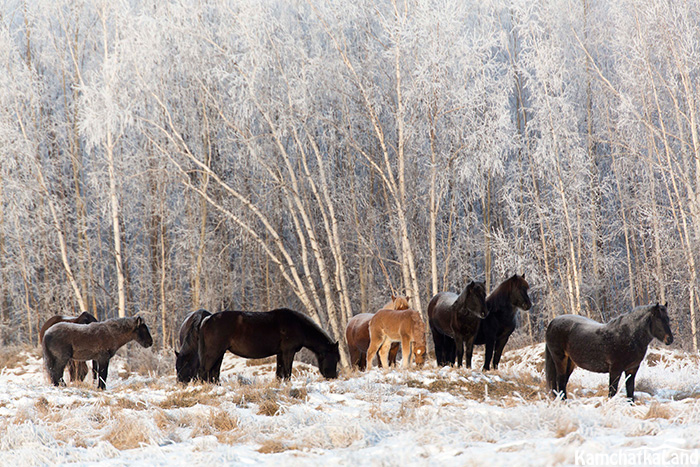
(328, 361)
(476, 299)
(399, 302)
(519, 288)
(419, 352)
(661, 324)
(143, 335)
(186, 366)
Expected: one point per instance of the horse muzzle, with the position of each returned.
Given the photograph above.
(668, 340)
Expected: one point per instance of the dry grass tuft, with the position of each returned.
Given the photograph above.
(261, 361)
(272, 446)
(268, 407)
(188, 397)
(127, 432)
(223, 421)
(657, 410)
(146, 362)
(564, 427)
(12, 356)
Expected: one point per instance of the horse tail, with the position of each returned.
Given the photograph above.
(550, 370)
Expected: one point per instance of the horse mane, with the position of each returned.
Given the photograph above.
(191, 339)
(306, 319)
(120, 324)
(637, 312)
(418, 324)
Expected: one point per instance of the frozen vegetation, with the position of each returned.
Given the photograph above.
(433, 416)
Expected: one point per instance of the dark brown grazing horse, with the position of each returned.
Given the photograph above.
(187, 359)
(454, 321)
(95, 341)
(497, 327)
(357, 334)
(77, 370)
(616, 347)
(282, 332)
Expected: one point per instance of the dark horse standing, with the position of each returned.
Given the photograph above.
(497, 327)
(95, 341)
(454, 321)
(616, 347)
(187, 359)
(77, 370)
(282, 332)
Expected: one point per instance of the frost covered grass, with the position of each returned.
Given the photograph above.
(446, 415)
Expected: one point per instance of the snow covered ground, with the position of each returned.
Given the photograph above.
(433, 416)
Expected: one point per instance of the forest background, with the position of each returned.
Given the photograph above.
(158, 157)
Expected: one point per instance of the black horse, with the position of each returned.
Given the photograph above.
(187, 359)
(454, 321)
(282, 332)
(616, 347)
(497, 327)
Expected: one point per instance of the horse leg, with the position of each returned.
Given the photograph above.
(374, 344)
(362, 364)
(355, 356)
(406, 351)
(287, 361)
(629, 384)
(450, 351)
(459, 343)
(488, 352)
(469, 351)
(94, 371)
(614, 382)
(500, 345)
(392, 353)
(103, 367)
(438, 340)
(384, 353)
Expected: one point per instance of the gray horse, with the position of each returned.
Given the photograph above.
(95, 341)
(616, 347)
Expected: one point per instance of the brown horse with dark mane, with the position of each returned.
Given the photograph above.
(616, 347)
(95, 341)
(500, 323)
(187, 358)
(357, 334)
(281, 332)
(77, 370)
(404, 326)
(454, 321)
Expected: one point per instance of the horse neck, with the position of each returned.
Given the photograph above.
(637, 321)
(498, 302)
(460, 305)
(125, 334)
(316, 339)
(418, 329)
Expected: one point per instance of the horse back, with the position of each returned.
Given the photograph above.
(83, 318)
(397, 323)
(357, 331)
(583, 340)
(439, 308)
(254, 334)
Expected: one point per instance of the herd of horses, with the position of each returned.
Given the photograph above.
(457, 323)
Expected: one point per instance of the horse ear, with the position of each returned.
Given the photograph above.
(522, 275)
(139, 321)
(177, 354)
(393, 297)
(666, 305)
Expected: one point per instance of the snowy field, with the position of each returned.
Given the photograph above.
(433, 416)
